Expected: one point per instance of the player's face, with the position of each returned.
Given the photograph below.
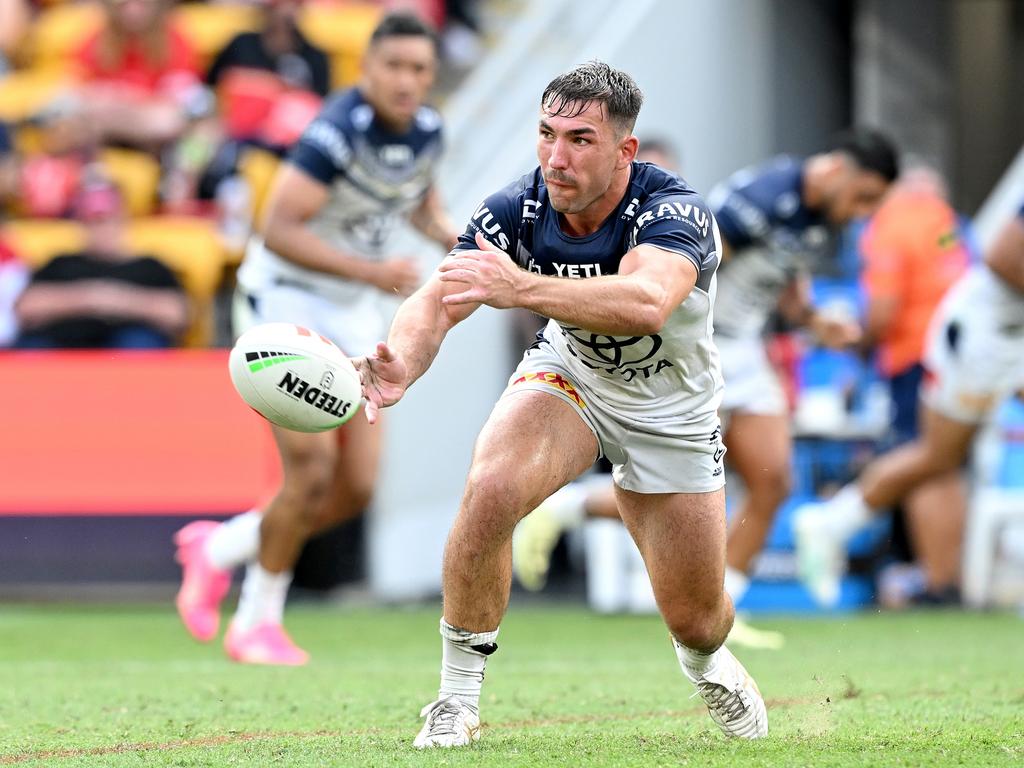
(855, 194)
(398, 73)
(579, 156)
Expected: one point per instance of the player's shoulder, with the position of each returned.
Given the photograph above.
(766, 179)
(346, 110)
(509, 202)
(659, 195)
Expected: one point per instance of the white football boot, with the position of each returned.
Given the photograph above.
(450, 723)
(820, 553)
(733, 699)
(533, 543)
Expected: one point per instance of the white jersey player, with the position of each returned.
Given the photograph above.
(974, 359)
(621, 256)
(325, 263)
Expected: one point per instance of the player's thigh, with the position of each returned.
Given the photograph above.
(760, 447)
(532, 444)
(682, 539)
(947, 441)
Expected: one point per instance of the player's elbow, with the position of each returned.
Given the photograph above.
(653, 312)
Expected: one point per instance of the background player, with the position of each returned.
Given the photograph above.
(975, 358)
(775, 221)
(645, 249)
(362, 166)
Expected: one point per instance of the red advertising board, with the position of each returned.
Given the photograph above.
(128, 433)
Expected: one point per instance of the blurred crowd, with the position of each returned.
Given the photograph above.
(138, 139)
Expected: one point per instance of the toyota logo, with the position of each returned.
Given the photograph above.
(613, 351)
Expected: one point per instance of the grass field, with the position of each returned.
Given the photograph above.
(124, 686)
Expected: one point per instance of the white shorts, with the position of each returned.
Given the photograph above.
(648, 455)
(975, 352)
(355, 327)
(751, 385)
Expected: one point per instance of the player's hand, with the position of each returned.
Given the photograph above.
(382, 376)
(836, 332)
(399, 276)
(491, 277)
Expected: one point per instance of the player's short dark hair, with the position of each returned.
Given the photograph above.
(871, 149)
(570, 93)
(404, 24)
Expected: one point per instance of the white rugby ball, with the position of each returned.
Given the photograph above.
(294, 377)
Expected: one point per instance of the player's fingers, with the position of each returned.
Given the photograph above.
(371, 409)
(460, 262)
(457, 276)
(384, 352)
(466, 297)
(484, 244)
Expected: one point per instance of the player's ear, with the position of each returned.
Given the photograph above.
(628, 148)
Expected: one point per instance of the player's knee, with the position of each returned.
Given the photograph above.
(699, 630)
(774, 482)
(308, 479)
(492, 503)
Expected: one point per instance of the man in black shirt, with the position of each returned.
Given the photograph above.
(103, 296)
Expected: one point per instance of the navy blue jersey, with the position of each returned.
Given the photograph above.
(5, 139)
(375, 179)
(772, 237)
(658, 209)
(673, 374)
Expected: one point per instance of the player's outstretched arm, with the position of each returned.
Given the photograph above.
(417, 331)
(650, 284)
(431, 220)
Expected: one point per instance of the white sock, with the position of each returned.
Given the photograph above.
(695, 664)
(463, 658)
(236, 541)
(736, 584)
(848, 512)
(568, 505)
(263, 596)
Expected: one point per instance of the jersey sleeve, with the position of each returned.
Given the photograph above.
(681, 224)
(497, 217)
(323, 151)
(742, 219)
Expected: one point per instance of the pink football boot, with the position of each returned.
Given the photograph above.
(202, 585)
(263, 644)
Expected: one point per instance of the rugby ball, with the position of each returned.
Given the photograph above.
(294, 377)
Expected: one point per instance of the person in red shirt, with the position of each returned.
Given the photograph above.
(140, 75)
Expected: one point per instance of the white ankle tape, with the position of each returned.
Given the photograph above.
(468, 639)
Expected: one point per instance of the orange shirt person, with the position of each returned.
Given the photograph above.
(912, 253)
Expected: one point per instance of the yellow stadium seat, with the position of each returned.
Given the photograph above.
(258, 168)
(137, 176)
(191, 247)
(210, 27)
(342, 30)
(60, 30)
(23, 93)
(36, 241)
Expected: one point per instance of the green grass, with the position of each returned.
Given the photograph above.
(124, 686)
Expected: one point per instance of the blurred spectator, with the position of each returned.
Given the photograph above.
(912, 253)
(141, 87)
(15, 16)
(105, 296)
(8, 166)
(47, 178)
(270, 85)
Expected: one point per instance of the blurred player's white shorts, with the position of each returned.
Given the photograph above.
(648, 455)
(751, 385)
(355, 327)
(975, 352)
